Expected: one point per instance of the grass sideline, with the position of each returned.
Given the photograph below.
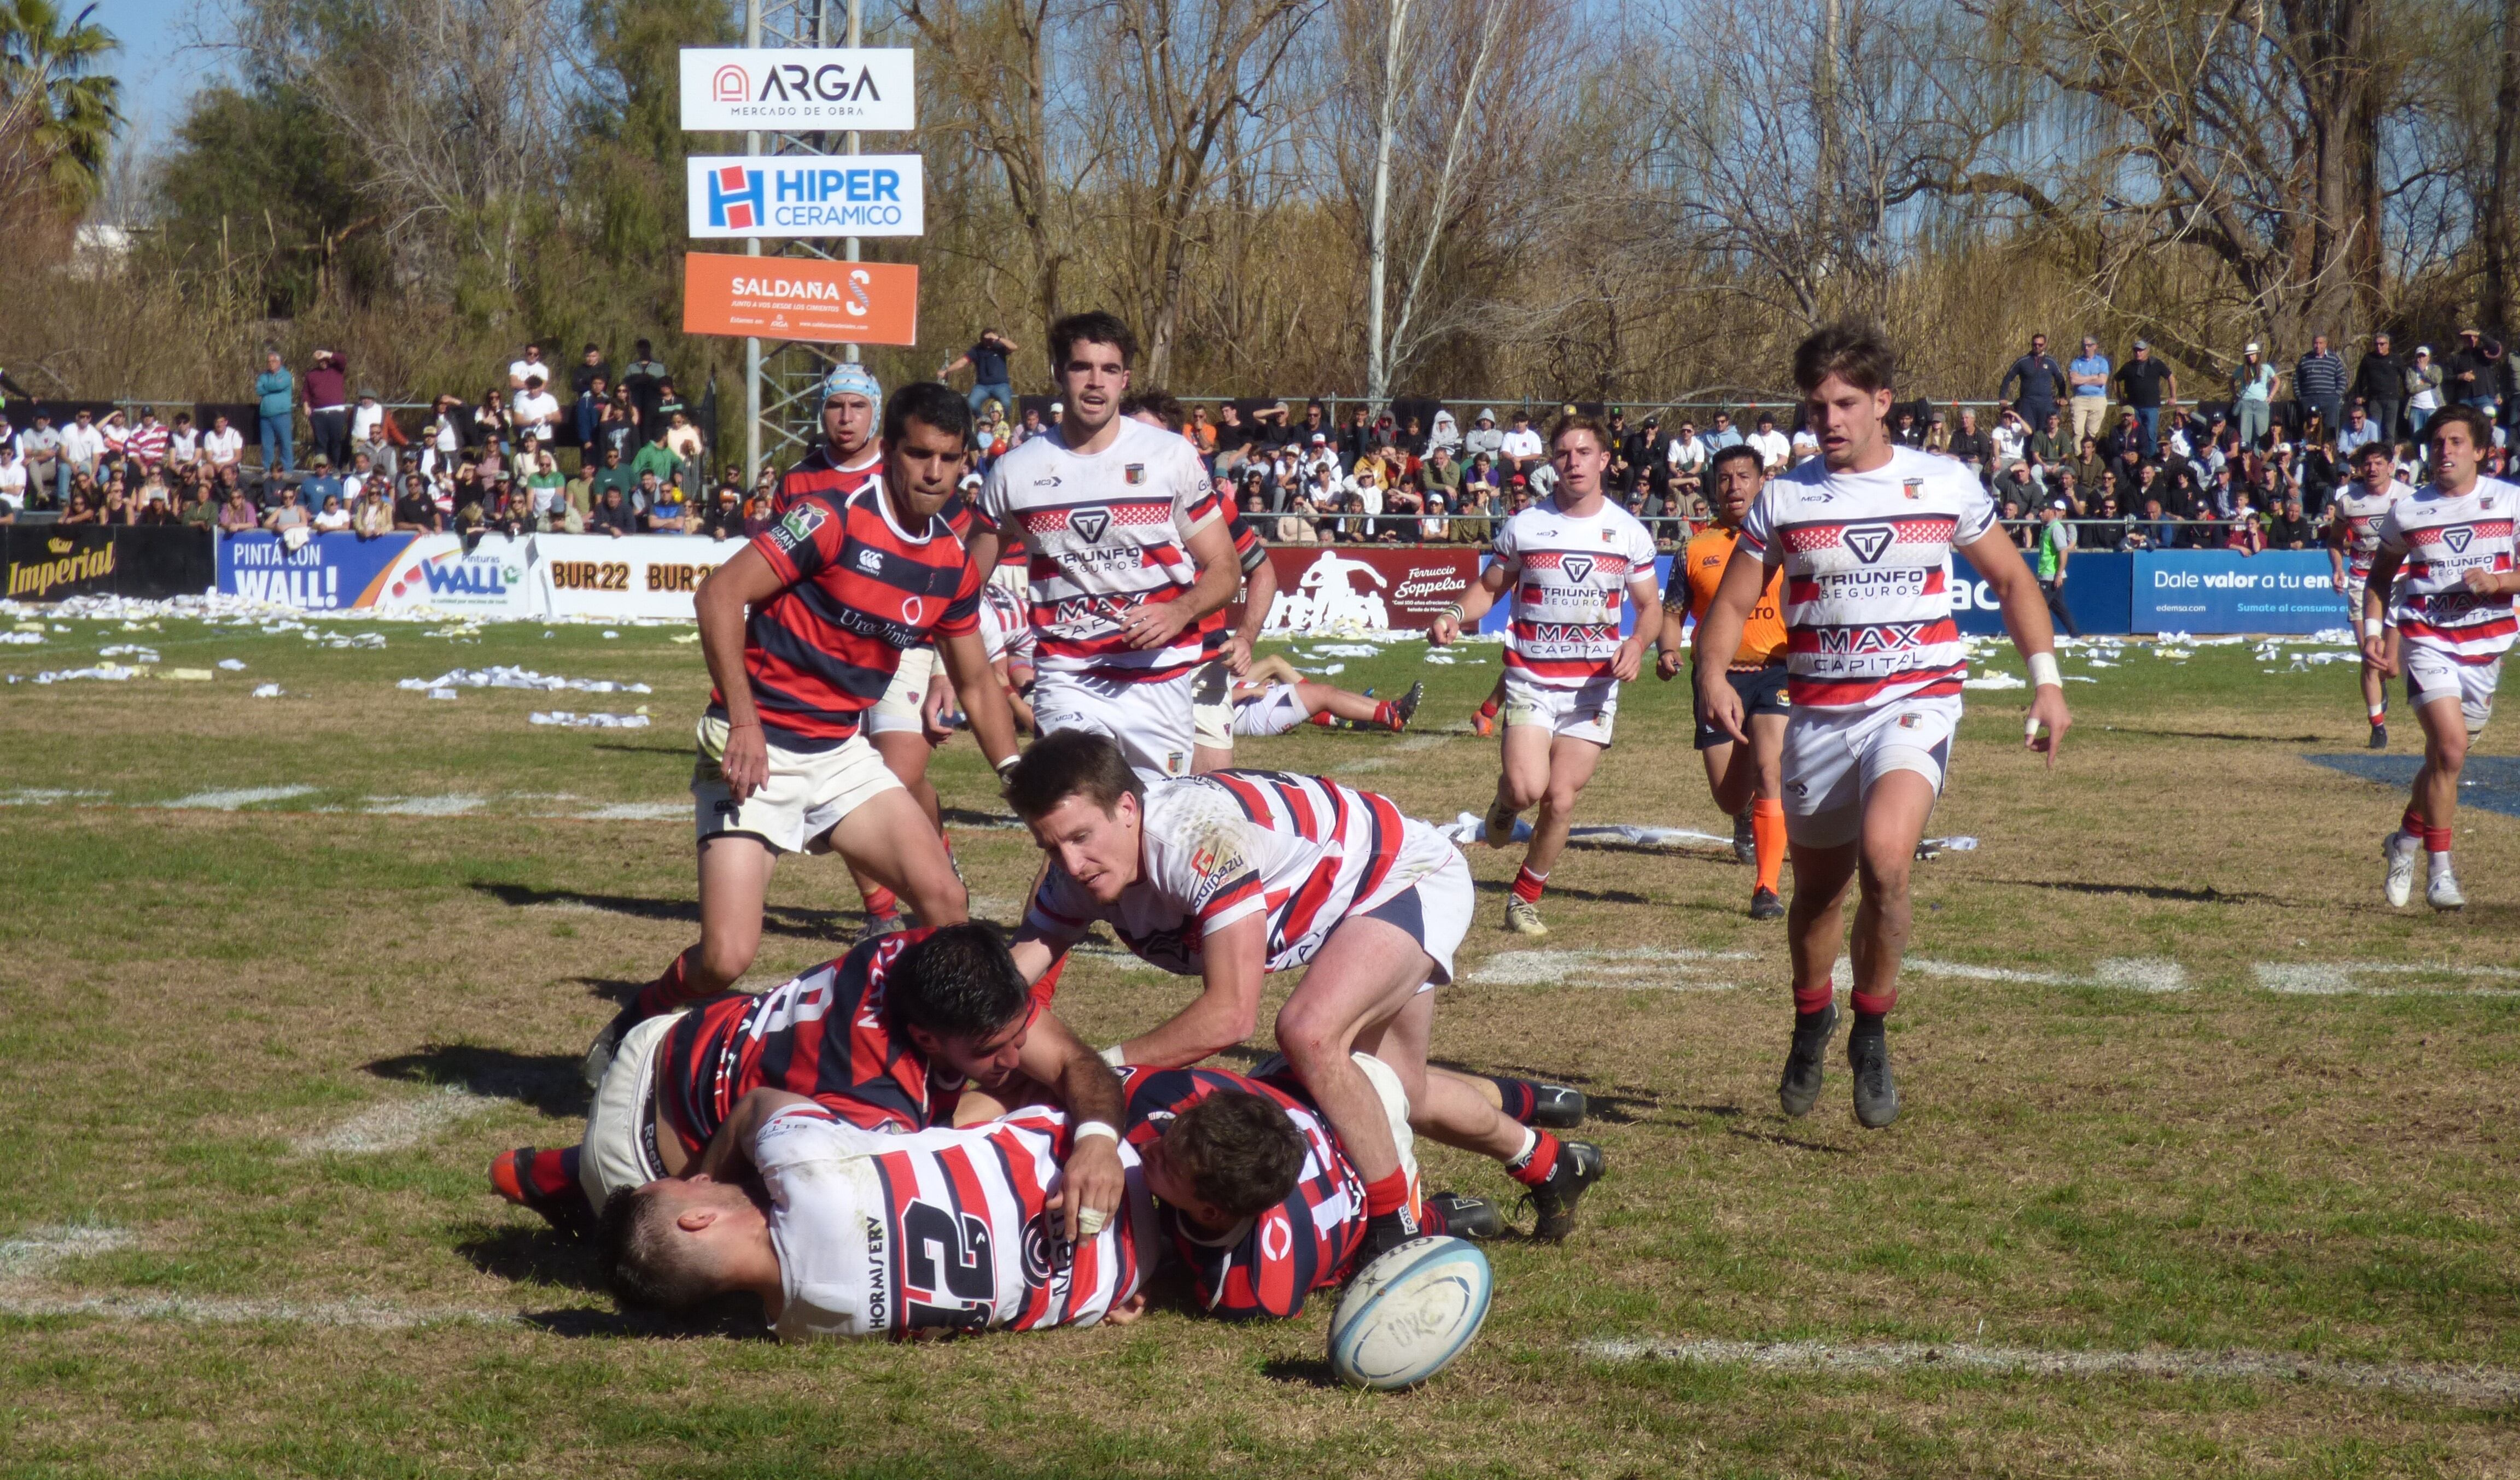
(195, 1279)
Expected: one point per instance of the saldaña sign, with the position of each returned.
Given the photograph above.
(833, 89)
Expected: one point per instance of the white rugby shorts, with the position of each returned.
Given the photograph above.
(1436, 903)
(619, 1149)
(1150, 721)
(1589, 713)
(1275, 710)
(1834, 756)
(806, 795)
(897, 712)
(1212, 711)
(2433, 674)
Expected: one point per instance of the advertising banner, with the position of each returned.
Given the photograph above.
(2219, 590)
(1323, 591)
(2097, 587)
(800, 298)
(328, 573)
(635, 575)
(734, 195)
(738, 89)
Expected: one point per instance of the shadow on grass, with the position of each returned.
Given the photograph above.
(1775, 1138)
(1562, 891)
(2208, 895)
(736, 1317)
(833, 925)
(620, 749)
(965, 817)
(539, 1256)
(2218, 734)
(1300, 1371)
(549, 1082)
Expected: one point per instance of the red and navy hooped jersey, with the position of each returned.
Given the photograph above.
(1570, 577)
(1213, 629)
(823, 1035)
(859, 590)
(1263, 1267)
(1110, 532)
(817, 473)
(1868, 605)
(2444, 536)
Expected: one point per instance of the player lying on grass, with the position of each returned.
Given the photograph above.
(1275, 698)
(801, 631)
(1235, 875)
(1747, 779)
(895, 1036)
(1863, 534)
(2447, 548)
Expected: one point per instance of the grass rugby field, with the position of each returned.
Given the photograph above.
(260, 1046)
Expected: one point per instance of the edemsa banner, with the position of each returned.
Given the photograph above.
(2097, 587)
(2219, 590)
(800, 298)
(538, 575)
(797, 91)
(806, 196)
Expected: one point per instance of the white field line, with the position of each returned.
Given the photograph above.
(230, 801)
(2338, 978)
(2135, 973)
(424, 806)
(1643, 968)
(208, 1310)
(2455, 1382)
(397, 1123)
(38, 1250)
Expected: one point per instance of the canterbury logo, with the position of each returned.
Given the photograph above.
(2456, 539)
(1576, 567)
(1090, 525)
(1867, 541)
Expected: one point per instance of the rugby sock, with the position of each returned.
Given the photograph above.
(1323, 718)
(2412, 823)
(2379, 711)
(1872, 1004)
(1488, 710)
(1386, 715)
(1528, 885)
(882, 903)
(1539, 1158)
(1387, 1193)
(1811, 1000)
(1521, 1097)
(2437, 843)
(671, 990)
(1768, 827)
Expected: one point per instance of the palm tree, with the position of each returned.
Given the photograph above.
(58, 113)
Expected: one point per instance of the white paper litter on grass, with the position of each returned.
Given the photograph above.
(232, 666)
(1998, 681)
(503, 676)
(1344, 650)
(1445, 659)
(111, 673)
(129, 650)
(1470, 827)
(443, 694)
(567, 720)
(267, 690)
(1333, 670)
(21, 639)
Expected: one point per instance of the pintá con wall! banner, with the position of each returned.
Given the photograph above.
(800, 298)
(794, 91)
(738, 195)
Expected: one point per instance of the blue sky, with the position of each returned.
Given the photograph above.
(157, 75)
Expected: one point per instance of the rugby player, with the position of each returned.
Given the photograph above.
(1225, 655)
(1277, 698)
(919, 1028)
(1863, 533)
(2353, 536)
(1569, 562)
(1747, 780)
(1006, 632)
(1236, 873)
(1130, 552)
(2451, 542)
(801, 630)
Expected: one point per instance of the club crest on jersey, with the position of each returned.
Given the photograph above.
(1090, 525)
(1867, 541)
(798, 526)
(1912, 487)
(1578, 568)
(2456, 539)
(1133, 474)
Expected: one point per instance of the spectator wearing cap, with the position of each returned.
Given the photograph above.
(2041, 379)
(2088, 374)
(2146, 385)
(319, 481)
(275, 399)
(2380, 383)
(327, 406)
(2255, 384)
(2318, 381)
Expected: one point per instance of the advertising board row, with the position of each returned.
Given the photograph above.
(535, 575)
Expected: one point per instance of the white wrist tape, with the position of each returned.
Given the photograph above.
(1112, 1056)
(2043, 671)
(1010, 763)
(2372, 626)
(1086, 1128)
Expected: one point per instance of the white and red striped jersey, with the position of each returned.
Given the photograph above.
(2359, 510)
(1215, 848)
(1570, 576)
(938, 1230)
(1867, 609)
(2444, 536)
(1108, 533)
(1005, 624)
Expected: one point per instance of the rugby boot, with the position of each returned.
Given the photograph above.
(599, 1054)
(1464, 1216)
(2401, 850)
(547, 1183)
(877, 926)
(1499, 823)
(2379, 736)
(1745, 842)
(1522, 917)
(1405, 708)
(1799, 1090)
(1557, 1106)
(2442, 893)
(1383, 1232)
(1579, 1165)
(1764, 904)
(1876, 1097)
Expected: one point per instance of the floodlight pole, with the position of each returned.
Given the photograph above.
(849, 247)
(752, 343)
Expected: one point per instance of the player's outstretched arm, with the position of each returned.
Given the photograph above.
(721, 601)
(730, 1150)
(2025, 617)
(1464, 615)
(1232, 962)
(1719, 633)
(984, 700)
(1093, 1180)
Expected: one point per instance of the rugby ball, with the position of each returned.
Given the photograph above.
(1409, 1313)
